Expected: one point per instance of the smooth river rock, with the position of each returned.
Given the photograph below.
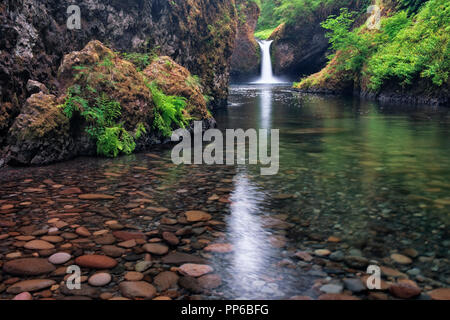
(96, 262)
(195, 270)
(156, 248)
(137, 290)
(165, 280)
(197, 216)
(39, 245)
(59, 258)
(28, 267)
(100, 279)
(30, 286)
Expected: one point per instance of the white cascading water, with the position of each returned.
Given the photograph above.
(266, 64)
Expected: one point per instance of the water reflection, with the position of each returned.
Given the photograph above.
(266, 108)
(252, 251)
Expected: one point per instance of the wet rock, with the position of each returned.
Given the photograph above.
(210, 281)
(301, 298)
(356, 262)
(133, 276)
(404, 290)
(191, 284)
(322, 252)
(195, 270)
(82, 231)
(401, 259)
(332, 288)
(440, 294)
(337, 296)
(106, 240)
(171, 238)
(413, 272)
(128, 244)
(100, 279)
(23, 296)
(84, 291)
(410, 252)
(337, 256)
(305, 256)
(28, 267)
(179, 258)
(219, 248)
(113, 251)
(156, 248)
(96, 262)
(30, 286)
(354, 285)
(59, 258)
(39, 245)
(165, 280)
(197, 216)
(142, 266)
(71, 191)
(96, 197)
(389, 272)
(137, 290)
(125, 235)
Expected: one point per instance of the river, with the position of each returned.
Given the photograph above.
(358, 182)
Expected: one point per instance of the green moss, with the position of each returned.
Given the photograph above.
(140, 60)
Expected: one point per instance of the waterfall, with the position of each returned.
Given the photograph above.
(266, 64)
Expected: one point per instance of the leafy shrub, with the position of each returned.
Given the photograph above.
(419, 49)
(407, 47)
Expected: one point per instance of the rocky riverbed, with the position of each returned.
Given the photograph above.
(141, 228)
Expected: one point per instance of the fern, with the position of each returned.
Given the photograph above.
(73, 102)
(140, 130)
(168, 111)
(111, 138)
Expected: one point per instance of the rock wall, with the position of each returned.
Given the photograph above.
(198, 34)
(301, 48)
(246, 58)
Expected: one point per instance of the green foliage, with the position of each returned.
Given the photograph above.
(407, 47)
(353, 45)
(107, 63)
(168, 111)
(275, 12)
(140, 130)
(264, 34)
(101, 117)
(412, 6)
(268, 19)
(113, 140)
(419, 49)
(194, 81)
(74, 102)
(140, 60)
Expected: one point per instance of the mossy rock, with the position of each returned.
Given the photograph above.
(175, 80)
(40, 134)
(97, 69)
